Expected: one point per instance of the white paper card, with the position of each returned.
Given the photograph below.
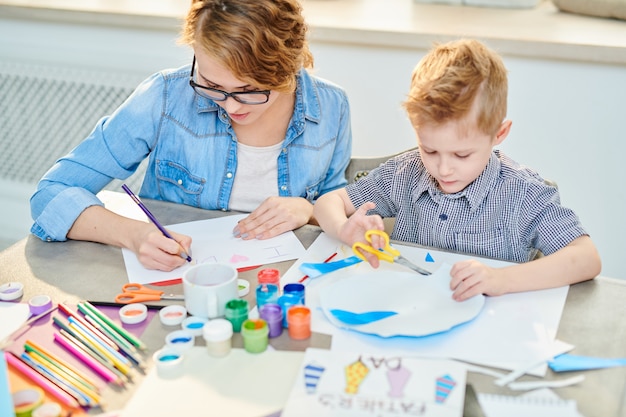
(346, 384)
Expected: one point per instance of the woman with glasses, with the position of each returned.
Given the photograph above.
(246, 127)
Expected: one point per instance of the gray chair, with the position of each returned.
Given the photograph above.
(361, 166)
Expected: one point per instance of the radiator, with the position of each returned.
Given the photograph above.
(44, 112)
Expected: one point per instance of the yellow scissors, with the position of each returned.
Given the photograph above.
(387, 253)
(137, 293)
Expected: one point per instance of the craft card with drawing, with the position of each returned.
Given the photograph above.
(213, 242)
(346, 384)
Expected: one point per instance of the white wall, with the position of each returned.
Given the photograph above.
(565, 115)
(566, 124)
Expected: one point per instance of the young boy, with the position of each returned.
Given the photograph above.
(455, 192)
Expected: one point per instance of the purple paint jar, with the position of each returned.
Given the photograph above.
(273, 315)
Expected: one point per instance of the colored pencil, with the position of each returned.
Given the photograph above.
(92, 397)
(154, 221)
(113, 352)
(119, 361)
(128, 351)
(84, 341)
(127, 335)
(77, 317)
(113, 304)
(301, 280)
(93, 364)
(105, 328)
(86, 348)
(59, 363)
(82, 399)
(41, 381)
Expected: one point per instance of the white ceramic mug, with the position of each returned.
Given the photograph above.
(208, 287)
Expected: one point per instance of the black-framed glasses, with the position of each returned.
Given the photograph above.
(244, 97)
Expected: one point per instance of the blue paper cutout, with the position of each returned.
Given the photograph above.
(567, 362)
(429, 258)
(352, 318)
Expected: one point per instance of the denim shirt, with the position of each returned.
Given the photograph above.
(192, 151)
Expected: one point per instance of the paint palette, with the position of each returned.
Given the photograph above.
(392, 303)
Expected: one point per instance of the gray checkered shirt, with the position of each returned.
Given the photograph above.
(507, 213)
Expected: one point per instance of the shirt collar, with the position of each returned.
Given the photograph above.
(474, 193)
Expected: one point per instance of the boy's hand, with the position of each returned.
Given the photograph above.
(471, 277)
(353, 230)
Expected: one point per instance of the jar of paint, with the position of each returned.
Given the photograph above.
(180, 340)
(26, 400)
(269, 276)
(296, 289)
(48, 409)
(218, 335)
(194, 325)
(273, 315)
(236, 312)
(285, 301)
(169, 363)
(255, 333)
(266, 294)
(299, 318)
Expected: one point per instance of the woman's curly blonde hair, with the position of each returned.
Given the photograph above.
(262, 42)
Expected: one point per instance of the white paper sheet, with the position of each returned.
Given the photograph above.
(241, 384)
(539, 403)
(12, 316)
(511, 331)
(213, 241)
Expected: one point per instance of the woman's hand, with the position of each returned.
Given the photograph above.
(276, 215)
(155, 251)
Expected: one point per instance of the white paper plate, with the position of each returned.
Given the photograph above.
(424, 303)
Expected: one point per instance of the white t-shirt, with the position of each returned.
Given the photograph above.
(256, 177)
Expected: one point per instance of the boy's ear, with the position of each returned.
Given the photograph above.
(503, 132)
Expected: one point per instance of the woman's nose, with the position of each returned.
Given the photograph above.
(231, 105)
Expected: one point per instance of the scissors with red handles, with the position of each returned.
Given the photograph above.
(386, 253)
(137, 293)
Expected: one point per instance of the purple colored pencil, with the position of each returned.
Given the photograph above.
(153, 219)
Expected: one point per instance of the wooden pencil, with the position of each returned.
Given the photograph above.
(130, 337)
(41, 381)
(84, 357)
(65, 367)
(92, 398)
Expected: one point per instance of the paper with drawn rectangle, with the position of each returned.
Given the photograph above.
(213, 241)
(352, 383)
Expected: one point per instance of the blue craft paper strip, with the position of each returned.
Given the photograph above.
(315, 270)
(567, 362)
(367, 317)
